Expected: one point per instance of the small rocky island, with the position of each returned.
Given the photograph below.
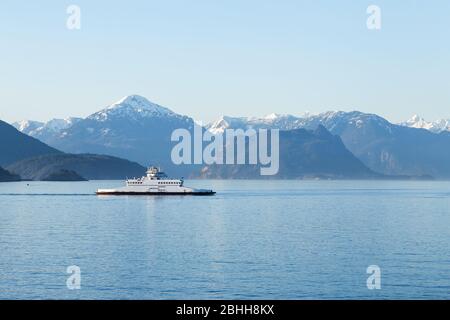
(63, 175)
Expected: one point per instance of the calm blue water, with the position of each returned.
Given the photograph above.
(253, 240)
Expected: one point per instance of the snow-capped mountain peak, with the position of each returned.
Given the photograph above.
(443, 124)
(416, 118)
(273, 116)
(26, 126)
(137, 102)
(420, 123)
(273, 120)
(133, 107)
(225, 122)
(57, 125)
(417, 122)
(41, 130)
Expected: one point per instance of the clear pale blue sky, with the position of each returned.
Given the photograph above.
(206, 58)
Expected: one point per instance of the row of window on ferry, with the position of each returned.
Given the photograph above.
(168, 182)
(162, 182)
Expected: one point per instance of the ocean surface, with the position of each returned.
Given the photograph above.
(253, 240)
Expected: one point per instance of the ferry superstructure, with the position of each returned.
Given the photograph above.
(155, 182)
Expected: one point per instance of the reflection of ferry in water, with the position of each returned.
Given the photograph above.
(155, 182)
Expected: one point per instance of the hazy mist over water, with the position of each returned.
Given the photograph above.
(253, 240)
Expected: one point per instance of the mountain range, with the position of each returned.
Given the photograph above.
(24, 157)
(303, 154)
(382, 146)
(132, 128)
(289, 122)
(136, 129)
(44, 130)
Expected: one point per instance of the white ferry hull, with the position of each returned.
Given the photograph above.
(155, 193)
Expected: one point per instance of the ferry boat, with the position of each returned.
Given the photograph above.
(155, 182)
